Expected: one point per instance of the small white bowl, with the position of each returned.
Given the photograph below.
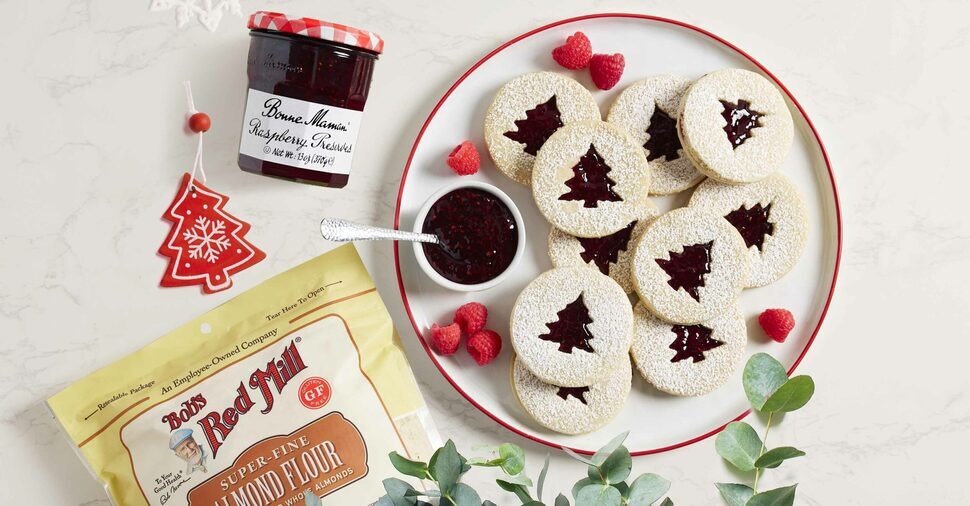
(447, 283)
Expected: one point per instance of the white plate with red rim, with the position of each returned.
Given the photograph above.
(657, 422)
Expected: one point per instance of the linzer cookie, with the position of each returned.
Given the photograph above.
(590, 179)
(570, 324)
(689, 265)
(735, 126)
(573, 410)
(525, 112)
(647, 110)
(770, 216)
(294, 386)
(611, 254)
(688, 360)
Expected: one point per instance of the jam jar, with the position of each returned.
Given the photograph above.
(308, 83)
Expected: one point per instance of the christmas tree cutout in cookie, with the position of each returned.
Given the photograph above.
(577, 392)
(741, 120)
(604, 251)
(663, 140)
(590, 182)
(206, 245)
(539, 124)
(691, 342)
(688, 268)
(571, 329)
(752, 224)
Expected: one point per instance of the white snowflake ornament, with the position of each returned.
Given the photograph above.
(208, 12)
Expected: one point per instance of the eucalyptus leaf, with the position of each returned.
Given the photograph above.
(486, 502)
(622, 487)
(542, 478)
(598, 495)
(513, 458)
(579, 485)
(735, 494)
(774, 457)
(578, 457)
(784, 496)
(667, 502)
(313, 500)
(601, 455)
(446, 466)
(614, 469)
(762, 376)
(383, 501)
(647, 489)
(561, 500)
(408, 467)
(516, 489)
(397, 491)
(791, 396)
(533, 503)
(739, 444)
(519, 479)
(463, 495)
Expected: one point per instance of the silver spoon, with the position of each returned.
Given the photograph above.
(338, 230)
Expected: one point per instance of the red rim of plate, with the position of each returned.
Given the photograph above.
(407, 167)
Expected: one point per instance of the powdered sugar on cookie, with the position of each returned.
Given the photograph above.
(612, 255)
(570, 324)
(573, 410)
(688, 360)
(735, 126)
(647, 110)
(590, 179)
(689, 265)
(771, 217)
(525, 112)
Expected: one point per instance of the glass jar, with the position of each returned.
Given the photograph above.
(308, 83)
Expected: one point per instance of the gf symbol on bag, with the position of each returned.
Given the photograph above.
(315, 392)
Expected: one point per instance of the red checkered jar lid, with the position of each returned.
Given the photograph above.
(314, 28)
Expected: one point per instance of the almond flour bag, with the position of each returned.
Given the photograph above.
(297, 385)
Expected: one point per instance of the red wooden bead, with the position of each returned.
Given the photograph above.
(200, 122)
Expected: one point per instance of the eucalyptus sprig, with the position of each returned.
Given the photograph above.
(770, 391)
(605, 483)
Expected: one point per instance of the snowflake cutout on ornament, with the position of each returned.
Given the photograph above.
(208, 12)
(206, 239)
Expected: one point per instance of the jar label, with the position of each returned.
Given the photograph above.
(298, 133)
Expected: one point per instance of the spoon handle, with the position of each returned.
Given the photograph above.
(338, 230)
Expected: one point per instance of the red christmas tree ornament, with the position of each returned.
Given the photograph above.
(206, 245)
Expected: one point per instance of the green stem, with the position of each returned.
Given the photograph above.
(764, 441)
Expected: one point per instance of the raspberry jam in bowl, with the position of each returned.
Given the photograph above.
(481, 233)
(308, 83)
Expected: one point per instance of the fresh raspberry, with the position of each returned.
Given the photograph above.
(464, 159)
(777, 323)
(606, 69)
(484, 346)
(445, 340)
(471, 317)
(575, 53)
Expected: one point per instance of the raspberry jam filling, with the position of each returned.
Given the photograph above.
(478, 236)
(577, 392)
(604, 251)
(692, 341)
(752, 224)
(590, 182)
(741, 119)
(688, 268)
(663, 141)
(571, 328)
(539, 124)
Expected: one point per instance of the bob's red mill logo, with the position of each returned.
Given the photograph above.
(268, 383)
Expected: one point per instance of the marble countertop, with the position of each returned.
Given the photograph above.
(91, 150)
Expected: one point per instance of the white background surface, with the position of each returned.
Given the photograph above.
(91, 149)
